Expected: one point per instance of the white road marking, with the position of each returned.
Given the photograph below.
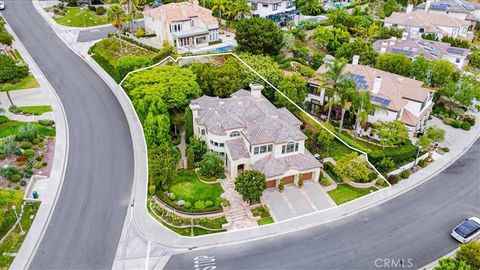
(204, 263)
(148, 255)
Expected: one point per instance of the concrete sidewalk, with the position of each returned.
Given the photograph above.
(152, 230)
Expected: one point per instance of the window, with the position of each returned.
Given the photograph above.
(422, 30)
(290, 4)
(290, 147)
(256, 150)
(235, 134)
(265, 5)
(457, 60)
(175, 28)
(254, 6)
(203, 131)
(222, 145)
(275, 7)
(270, 147)
(262, 149)
(192, 23)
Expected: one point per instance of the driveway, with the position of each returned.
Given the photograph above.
(294, 202)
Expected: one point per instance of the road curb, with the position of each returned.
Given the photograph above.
(55, 182)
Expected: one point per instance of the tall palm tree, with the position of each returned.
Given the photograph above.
(332, 102)
(220, 5)
(117, 16)
(346, 105)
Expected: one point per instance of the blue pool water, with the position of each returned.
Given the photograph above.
(223, 49)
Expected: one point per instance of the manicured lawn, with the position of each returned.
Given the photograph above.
(336, 150)
(14, 241)
(36, 110)
(11, 127)
(7, 216)
(27, 83)
(345, 193)
(81, 17)
(110, 49)
(265, 220)
(186, 186)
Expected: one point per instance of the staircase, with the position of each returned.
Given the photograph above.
(236, 213)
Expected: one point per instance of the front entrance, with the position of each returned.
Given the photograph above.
(289, 180)
(240, 168)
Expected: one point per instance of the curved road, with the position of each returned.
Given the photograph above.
(87, 221)
(414, 227)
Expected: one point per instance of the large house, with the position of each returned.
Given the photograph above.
(280, 11)
(459, 9)
(396, 97)
(184, 24)
(250, 133)
(431, 50)
(416, 23)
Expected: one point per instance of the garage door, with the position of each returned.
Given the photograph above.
(307, 176)
(289, 179)
(271, 184)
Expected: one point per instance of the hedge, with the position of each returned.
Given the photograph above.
(107, 66)
(330, 169)
(140, 44)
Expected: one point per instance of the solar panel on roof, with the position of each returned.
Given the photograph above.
(385, 102)
(455, 50)
(406, 52)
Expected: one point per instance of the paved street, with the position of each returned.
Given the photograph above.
(87, 221)
(415, 225)
(100, 32)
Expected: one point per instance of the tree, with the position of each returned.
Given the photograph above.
(335, 82)
(116, 15)
(251, 184)
(190, 158)
(226, 79)
(220, 6)
(203, 72)
(352, 167)
(162, 163)
(330, 39)
(390, 7)
(188, 124)
(470, 254)
(8, 69)
(442, 72)
(294, 87)
(357, 47)
(211, 165)
(462, 91)
(452, 264)
(259, 36)
(309, 7)
(157, 128)
(130, 63)
(325, 139)
(391, 133)
(199, 148)
(420, 69)
(394, 63)
(432, 135)
(362, 106)
(474, 59)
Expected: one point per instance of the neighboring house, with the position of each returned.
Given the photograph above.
(459, 9)
(280, 11)
(418, 22)
(396, 97)
(184, 25)
(431, 50)
(250, 133)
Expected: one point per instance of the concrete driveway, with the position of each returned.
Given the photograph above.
(294, 202)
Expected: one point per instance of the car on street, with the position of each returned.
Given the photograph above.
(2, 5)
(467, 230)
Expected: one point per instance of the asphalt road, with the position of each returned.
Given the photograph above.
(413, 228)
(87, 221)
(101, 32)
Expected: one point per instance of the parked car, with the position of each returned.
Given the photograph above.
(2, 5)
(467, 230)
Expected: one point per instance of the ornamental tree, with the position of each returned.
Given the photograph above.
(198, 146)
(251, 184)
(162, 163)
(452, 264)
(259, 36)
(357, 47)
(8, 69)
(470, 254)
(211, 165)
(391, 133)
(394, 63)
(353, 167)
(294, 87)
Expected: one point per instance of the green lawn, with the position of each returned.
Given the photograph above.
(110, 49)
(11, 127)
(36, 110)
(336, 150)
(186, 186)
(14, 241)
(81, 17)
(7, 216)
(345, 193)
(265, 220)
(27, 83)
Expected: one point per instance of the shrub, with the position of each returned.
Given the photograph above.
(445, 149)
(47, 123)
(382, 183)
(72, 3)
(405, 174)
(26, 145)
(199, 205)
(393, 179)
(187, 205)
(27, 132)
(469, 253)
(172, 197)
(456, 124)
(470, 119)
(465, 126)
(385, 165)
(127, 64)
(140, 33)
(6, 38)
(330, 170)
(151, 189)
(208, 203)
(281, 185)
(250, 184)
(92, 8)
(38, 165)
(422, 163)
(15, 178)
(29, 153)
(211, 165)
(8, 171)
(3, 119)
(324, 181)
(100, 11)
(300, 182)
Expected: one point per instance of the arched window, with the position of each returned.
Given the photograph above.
(290, 147)
(235, 134)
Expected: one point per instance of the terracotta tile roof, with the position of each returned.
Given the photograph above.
(182, 11)
(237, 149)
(271, 166)
(421, 19)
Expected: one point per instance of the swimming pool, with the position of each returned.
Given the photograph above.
(223, 49)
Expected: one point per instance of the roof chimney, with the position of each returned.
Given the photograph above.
(355, 59)
(404, 36)
(195, 7)
(256, 89)
(376, 84)
(194, 107)
(409, 8)
(427, 5)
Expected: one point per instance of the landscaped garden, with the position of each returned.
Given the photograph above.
(25, 83)
(12, 128)
(79, 17)
(31, 110)
(345, 193)
(263, 212)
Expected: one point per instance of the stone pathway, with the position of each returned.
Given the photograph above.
(183, 149)
(237, 212)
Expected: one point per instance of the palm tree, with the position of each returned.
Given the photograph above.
(332, 102)
(346, 105)
(220, 5)
(117, 16)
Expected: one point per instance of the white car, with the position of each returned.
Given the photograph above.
(2, 5)
(467, 230)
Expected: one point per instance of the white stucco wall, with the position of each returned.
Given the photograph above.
(264, 10)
